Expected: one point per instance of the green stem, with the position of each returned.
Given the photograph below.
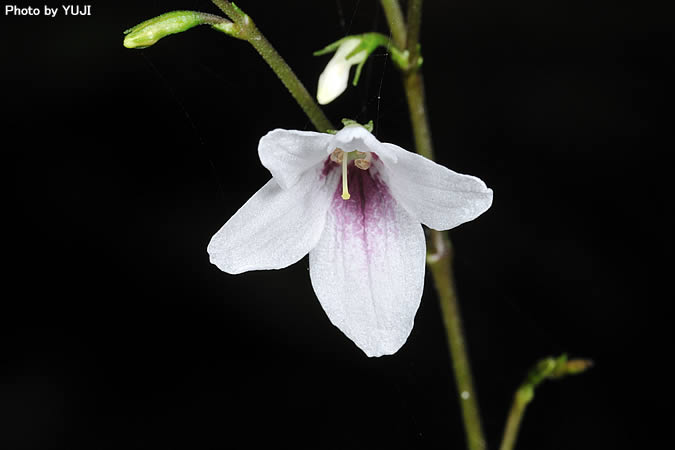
(250, 33)
(440, 256)
(440, 264)
(547, 368)
(414, 27)
(414, 90)
(513, 420)
(396, 22)
(414, 84)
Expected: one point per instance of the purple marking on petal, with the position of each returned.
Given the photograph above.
(369, 212)
(328, 167)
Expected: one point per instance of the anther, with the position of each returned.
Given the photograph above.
(337, 156)
(363, 162)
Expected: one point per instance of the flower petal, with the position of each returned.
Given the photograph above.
(333, 80)
(287, 154)
(276, 227)
(435, 195)
(354, 137)
(368, 268)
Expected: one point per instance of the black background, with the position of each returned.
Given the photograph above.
(119, 333)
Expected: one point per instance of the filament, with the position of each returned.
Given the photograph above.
(345, 190)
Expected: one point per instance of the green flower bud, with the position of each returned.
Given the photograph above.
(554, 368)
(149, 32)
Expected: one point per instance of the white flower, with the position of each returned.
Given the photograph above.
(355, 205)
(333, 79)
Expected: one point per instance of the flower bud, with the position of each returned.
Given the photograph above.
(354, 50)
(149, 32)
(333, 80)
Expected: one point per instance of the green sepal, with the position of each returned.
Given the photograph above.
(346, 122)
(331, 47)
(368, 126)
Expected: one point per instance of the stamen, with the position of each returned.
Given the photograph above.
(337, 155)
(345, 191)
(363, 162)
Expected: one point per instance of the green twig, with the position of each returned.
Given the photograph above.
(514, 419)
(250, 33)
(414, 90)
(440, 255)
(414, 84)
(440, 264)
(396, 22)
(414, 27)
(547, 368)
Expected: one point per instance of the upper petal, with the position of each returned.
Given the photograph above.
(287, 154)
(276, 227)
(438, 197)
(368, 267)
(354, 137)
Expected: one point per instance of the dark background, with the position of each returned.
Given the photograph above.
(119, 333)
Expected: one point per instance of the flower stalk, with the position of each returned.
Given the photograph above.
(250, 32)
(396, 22)
(439, 258)
(547, 368)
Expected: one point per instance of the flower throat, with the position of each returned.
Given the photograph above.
(361, 160)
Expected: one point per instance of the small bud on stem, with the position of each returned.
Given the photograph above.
(354, 50)
(149, 32)
(547, 368)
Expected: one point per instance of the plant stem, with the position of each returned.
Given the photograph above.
(440, 256)
(250, 33)
(396, 22)
(547, 368)
(413, 30)
(440, 264)
(513, 421)
(414, 90)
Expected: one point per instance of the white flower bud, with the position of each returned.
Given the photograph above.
(333, 80)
